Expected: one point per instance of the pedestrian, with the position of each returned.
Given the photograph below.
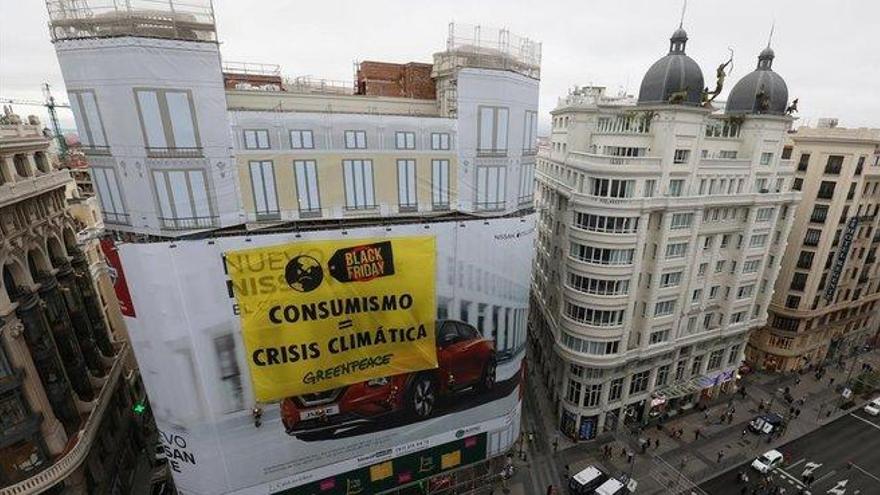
(680, 432)
(742, 435)
(797, 412)
(811, 479)
(720, 456)
(629, 457)
(831, 382)
(798, 380)
(706, 414)
(656, 443)
(565, 474)
(697, 434)
(623, 452)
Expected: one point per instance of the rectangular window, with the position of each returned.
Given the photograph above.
(573, 394)
(592, 395)
(650, 185)
(697, 295)
(526, 182)
(681, 156)
(792, 302)
(183, 199)
(766, 158)
(530, 132)
(263, 187)
(751, 266)
(745, 291)
(492, 131)
(834, 164)
(671, 279)
(758, 241)
(697, 366)
(598, 286)
(309, 200)
(639, 382)
(302, 140)
(612, 188)
(805, 260)
(680, 369)
(713, 291)
(615, 389)
(682, 220)
(797, 184)
(88, 118)
(602, 256)
(676, 250)
(440, 141)
(719, 266)
(600, 223)
(664, 308)
(440, 184)
(761, 185)
(826, 190)
(359, 189)
(701, 271)
(798, 281)
(491, 188)
(658, 337)
(405, 140)
(356, 140)
(406, 185)
(256, 139)
(109, 195)
(820, 214)
(594, 317)
(167, 120)
(715, 359)
(727, 154)
(811, 238)
(662, 375)
(676, 187)
(733, 354)
(764, 214)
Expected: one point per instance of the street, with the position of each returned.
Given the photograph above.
(825, 453)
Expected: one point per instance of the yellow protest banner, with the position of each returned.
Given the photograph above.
(322, 314)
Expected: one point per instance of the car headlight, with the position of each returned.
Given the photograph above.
(378, 382)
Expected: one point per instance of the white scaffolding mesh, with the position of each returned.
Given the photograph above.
(490, 48)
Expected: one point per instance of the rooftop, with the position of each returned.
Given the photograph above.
(838, 133)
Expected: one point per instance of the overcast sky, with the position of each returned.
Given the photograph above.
(827, 51)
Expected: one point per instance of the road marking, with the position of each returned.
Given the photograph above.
(866, 473)
(875, 425)
(791, 478)
(830, 473)
(795, 464)
(839, 488)
(809, 468)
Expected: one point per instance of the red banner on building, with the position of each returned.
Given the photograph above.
(118, 277)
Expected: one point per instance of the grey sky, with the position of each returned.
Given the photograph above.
(827, 51)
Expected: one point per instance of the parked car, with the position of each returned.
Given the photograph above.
(586, 481)
(769, 461)
(466, 360)
(766, 423)
(612, 487)
(873, 407)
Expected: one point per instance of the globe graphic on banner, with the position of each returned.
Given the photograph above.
(303, 273)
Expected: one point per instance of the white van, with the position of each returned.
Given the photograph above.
(611, 487)
(873, 407)
(584, 482)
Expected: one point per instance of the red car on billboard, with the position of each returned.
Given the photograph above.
(466, 361)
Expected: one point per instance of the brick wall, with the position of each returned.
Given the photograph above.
(411, 80)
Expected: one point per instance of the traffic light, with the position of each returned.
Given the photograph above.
(139, 408)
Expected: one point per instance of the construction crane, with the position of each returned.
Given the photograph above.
(50, 105)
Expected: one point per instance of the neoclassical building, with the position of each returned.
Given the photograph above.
(662, 223)
(65, 369)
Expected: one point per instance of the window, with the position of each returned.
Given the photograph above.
(786, 152)
(573, 394)
(676, 187)
(600, 223)
(594, 317)
(797, 184)
(263, 188)
(359, 190)
(727, 154)
(702, 270)
(526, 182)
(764, 214)
(530, 132)
(302, 140)
(183, 199)
(798, 281)
(639, 382)
(758, 241)
(725, 240)
(724, 129)
(658, 337)
(697, 366)
(834, 164)
(492, 131)
(811, 238)
(662, 375)
(805, 260)
(826, 190)
(623, 151)
(745, 291)
(440, 141)
(715, 359)
(88, 118)
(676, 250)
(792, 302)
(109, 195)
(733, 354)
(680, 369)
(598, 286)
(681, 156)
(650, 185)
(167, 120)
(406, 185)
(671, 279)
(766, 158)
(707, 242)
(612, 188)
(761, 185)
(615, 389)
(405, 140)
(803, 162)
(713, 291)
(356, 140)
(592, 395)
(820, 213)
(602, 256)
(664, 308)
(306, 173)
(682, 220)
(256, 139)
(751, 266)
(440, 184)
(491, 188)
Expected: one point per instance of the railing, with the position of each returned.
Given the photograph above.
(309, 85)
(186, 223)
(267, 216)
(491, 152)
(62, 468)
(91, 149)
(116, 218)
(178, 152)
(252, 69)
(596, 159)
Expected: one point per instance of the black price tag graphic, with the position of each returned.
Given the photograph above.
(362, 263)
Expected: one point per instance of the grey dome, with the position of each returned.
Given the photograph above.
(761, 91)
(674, 72)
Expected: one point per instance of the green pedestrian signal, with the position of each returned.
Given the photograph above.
(139, 408)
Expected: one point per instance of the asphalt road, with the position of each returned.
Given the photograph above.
(826, 452)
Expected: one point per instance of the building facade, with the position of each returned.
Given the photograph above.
(66, 373)
(825, 306)
(662, 223)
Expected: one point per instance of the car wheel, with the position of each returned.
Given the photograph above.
(487, 379)
(422, 396)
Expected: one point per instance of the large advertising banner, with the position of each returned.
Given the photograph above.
(319, 315)
(451, 396)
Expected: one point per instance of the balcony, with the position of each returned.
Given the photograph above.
(586, 160)
(26, 187)
(492, 152)
(93, 150)
(187, 223)
(116, 218)
(179, 152)
(67, 464)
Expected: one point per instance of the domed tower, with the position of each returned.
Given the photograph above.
(761, 91)
(675, 78)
